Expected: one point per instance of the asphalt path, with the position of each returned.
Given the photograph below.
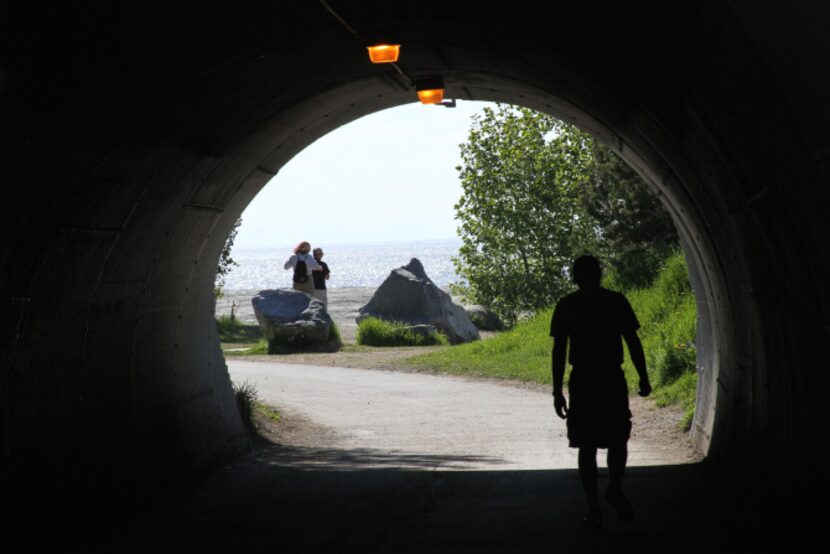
(429, 421)
(383, 461)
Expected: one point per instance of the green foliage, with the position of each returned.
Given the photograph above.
(226, 263)
(667, 315)
(253, 411)
(246, 397)
(376, 332)
(521, 219)
(334, 334)
(635, 232)
(536, 194)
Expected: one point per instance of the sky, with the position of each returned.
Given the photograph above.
(384, 177)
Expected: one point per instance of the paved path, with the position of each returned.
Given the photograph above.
(377, 475)
(428, 421)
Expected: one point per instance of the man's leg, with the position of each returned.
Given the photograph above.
(617, 458)
(588, 474)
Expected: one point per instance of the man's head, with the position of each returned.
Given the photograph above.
(586, 271)
(318, 253)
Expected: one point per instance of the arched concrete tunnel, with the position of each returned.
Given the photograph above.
(132, 139)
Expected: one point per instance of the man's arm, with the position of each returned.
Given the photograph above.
(558, 356)
(638, 358)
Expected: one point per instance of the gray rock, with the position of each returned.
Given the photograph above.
(483, 318)
(409, 296)
(292, 319)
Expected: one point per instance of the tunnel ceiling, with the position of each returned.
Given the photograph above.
(133, 138)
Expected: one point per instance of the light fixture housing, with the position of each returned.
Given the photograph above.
(430, 90)
(384, 53)
(431, 96)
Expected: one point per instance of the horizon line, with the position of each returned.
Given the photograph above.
(347, 242)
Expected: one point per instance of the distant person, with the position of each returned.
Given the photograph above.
(303, 264)
(320, 277)
(589, 323)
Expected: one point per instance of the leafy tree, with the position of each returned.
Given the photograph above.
(536, 194)
(226, 263)
(522, 221)
(636, 233)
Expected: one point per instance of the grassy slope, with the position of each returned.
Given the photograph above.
(522, 353)
(666, 312)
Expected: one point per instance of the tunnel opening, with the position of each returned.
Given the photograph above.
(396, 131)
(109, 349)
(225, 190)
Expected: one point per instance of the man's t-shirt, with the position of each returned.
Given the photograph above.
(320, 276)
(594, 321)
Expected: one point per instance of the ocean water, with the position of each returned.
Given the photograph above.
(351, 265)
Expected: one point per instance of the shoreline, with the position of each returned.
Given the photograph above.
(343, 306)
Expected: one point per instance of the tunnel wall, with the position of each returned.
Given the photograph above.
(133, 140)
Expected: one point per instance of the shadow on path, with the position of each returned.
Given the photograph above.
(416, 511)
(361, 459)
(295, 499)
(330, 500)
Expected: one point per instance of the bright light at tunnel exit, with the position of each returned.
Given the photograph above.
(352, 170)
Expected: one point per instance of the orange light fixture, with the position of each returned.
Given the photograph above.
(384, 53)
(431, 96)
(430, 90)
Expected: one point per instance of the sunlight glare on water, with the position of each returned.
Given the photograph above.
(351, 265)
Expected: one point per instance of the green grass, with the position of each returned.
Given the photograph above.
(233, 331)
(334, 334)
(267, 412)
(523, 353)
(667, 315)
(253, 411)
(246, 397)
(375, 332)
(253, 349)
(682, 393)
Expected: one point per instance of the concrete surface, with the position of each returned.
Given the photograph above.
(388, 462)
(457, 423)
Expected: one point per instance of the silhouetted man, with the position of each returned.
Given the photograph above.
(589, 324)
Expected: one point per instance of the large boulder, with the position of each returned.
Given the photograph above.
(483, 318)
(409, 296)
(293, 320)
